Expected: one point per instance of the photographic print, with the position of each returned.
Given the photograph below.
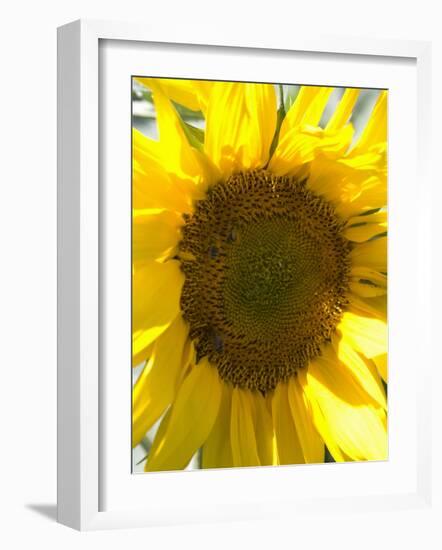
(259, 274)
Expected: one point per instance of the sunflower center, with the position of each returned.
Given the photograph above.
(266, 268)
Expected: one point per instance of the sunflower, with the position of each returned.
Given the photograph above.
(259, 278)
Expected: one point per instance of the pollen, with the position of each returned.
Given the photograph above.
(266, 270)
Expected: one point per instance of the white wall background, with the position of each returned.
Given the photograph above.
(28, 268)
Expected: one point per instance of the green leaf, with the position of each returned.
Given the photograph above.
(194, 135)
(147, 95)
(184, 112)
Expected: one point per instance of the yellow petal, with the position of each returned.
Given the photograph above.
(242, 430)
(313, 113)
(191, 420)
(155, 303)
(189, 355)
(349, 420)
(287, 439)
(293, 150)
(361, 369)
(263, 431)
(147, 352)
(372, 255)
(302, 144)
(375, 159)
(361, 273)
(152, 185)
(217, 450)
(381, 362)
(375, 131)
(240, 125)
(193, 94)
(344, 110)
(366, 290)
(375, 307)
(155, 234)
(366, 334)
(159, 436)
(155, 388)
(307, 108)
(178, 156)
(367, 283)
(352, 189)
(312, 444)
(379, 217)
(318, 417)
(364, 228)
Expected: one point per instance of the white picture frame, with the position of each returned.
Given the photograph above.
(80, 293)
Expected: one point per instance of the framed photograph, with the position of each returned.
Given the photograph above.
(243, 276)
